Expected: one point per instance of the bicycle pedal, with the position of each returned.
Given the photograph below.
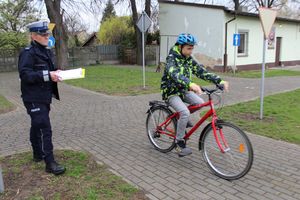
(177, 149)
(155, 135)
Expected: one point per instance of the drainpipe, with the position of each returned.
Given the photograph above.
(1, 181)
(225, 54)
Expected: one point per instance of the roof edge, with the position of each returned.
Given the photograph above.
(225, 9)
(193, 4)
(257, 15)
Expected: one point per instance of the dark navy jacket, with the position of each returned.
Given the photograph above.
(35, 64)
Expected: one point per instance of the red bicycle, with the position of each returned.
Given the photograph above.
(225, 148)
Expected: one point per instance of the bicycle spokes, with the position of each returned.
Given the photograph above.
(232, 157)
(161, 129)
(223, 145)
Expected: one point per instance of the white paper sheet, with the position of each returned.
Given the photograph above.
(71, 74)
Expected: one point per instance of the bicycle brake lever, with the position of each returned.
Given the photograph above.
(220, 86)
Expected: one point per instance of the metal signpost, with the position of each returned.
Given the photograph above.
(267, 17)
(144, 22)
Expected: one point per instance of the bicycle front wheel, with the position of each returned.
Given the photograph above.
(161, 137)
(236, 160)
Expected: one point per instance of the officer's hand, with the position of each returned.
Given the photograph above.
(196, 88)
(54, 76)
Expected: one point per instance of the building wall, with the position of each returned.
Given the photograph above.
(207, 24)
(290, 45)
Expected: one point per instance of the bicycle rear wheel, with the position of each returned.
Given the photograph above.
(161, 141)
(237, 159)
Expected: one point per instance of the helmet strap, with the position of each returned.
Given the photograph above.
(181, 47)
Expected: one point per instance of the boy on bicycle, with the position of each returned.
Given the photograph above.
(177, 86)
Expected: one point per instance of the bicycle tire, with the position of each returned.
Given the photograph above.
(161, 142)
(240, 152)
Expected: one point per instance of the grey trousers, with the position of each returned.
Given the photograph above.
(179, 106)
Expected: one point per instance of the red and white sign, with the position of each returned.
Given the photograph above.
(267, 18)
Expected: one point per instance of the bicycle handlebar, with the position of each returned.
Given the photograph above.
(210, 91)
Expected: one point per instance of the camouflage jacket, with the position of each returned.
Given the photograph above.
(178, 72)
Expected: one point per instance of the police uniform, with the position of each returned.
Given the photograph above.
(35, 64)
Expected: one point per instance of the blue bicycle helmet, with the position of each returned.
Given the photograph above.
(186, 38)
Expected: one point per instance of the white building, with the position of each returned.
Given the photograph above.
(207, 23)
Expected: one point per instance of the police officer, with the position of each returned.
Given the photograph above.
(39, 79)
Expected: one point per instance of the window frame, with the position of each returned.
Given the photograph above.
(246, 43)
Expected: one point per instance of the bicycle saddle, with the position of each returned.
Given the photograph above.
(156, 102)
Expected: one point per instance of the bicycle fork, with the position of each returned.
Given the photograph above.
(222, 144)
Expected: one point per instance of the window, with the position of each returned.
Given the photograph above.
(243, 48)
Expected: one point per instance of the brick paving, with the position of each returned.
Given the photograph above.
(113, 130)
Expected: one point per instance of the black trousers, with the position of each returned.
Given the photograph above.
(40, 131)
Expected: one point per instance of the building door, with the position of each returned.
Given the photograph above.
(278, 48)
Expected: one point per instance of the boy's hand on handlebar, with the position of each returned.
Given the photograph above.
(225, 85)
(195, 88)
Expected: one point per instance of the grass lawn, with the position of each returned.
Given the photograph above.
(281, 116)
(5, 105)
(268, 73)
(83, 180)
(115, 80)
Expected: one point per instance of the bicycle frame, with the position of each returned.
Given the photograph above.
(209, 113)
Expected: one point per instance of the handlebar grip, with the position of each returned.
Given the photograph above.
(220, 86)
(203, 89)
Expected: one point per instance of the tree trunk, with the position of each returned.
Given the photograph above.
(236, 5)
(77, 43)
(260, 3)
(270, 3)
(139, 45)
(148, 11)
(148, 7)
(59, 32)
(137, 33)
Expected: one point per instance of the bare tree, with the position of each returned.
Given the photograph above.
(154, 17)
(55, 14)
(271, 3)
(16, 14)
(251, 5)
(238, 4)
(137, 34)
(74, 28)
(291, 10)
(133, 6)
(92, 6)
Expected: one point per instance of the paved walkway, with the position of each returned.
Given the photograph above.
(113, 130)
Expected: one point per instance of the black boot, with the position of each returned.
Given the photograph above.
(55, 168)
(37, 157)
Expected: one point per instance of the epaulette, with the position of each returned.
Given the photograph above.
(28, 47)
